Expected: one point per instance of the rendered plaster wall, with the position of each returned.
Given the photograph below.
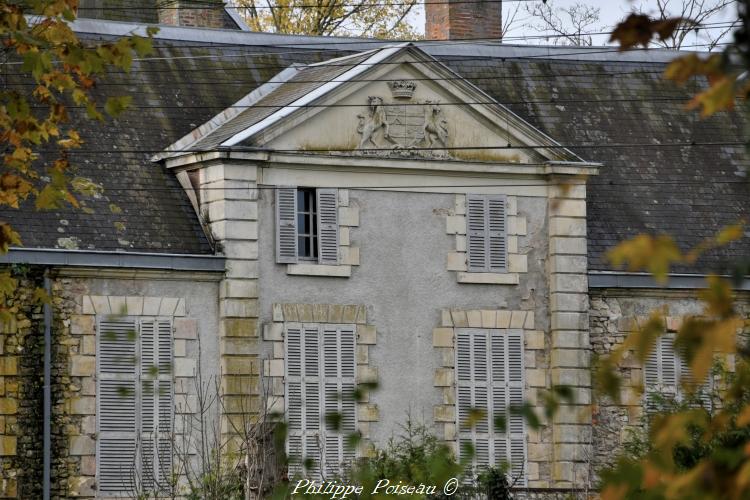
(76, 303)
(613, 313)
(403, 282)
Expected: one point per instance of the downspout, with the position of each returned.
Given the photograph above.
(47, 411)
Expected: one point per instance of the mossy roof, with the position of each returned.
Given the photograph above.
(607, 108)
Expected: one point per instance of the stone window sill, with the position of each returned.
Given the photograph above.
(340, 271)
(489, 278)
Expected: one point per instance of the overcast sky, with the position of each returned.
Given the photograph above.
(610, 12)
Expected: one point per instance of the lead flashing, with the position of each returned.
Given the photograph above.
(103, 259)
(609, 279)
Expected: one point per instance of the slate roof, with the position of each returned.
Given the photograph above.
(607, 107)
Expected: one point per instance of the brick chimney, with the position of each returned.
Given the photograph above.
(196, 13)
(463, 19)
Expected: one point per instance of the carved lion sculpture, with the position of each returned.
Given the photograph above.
(371, 124)
(435, 128)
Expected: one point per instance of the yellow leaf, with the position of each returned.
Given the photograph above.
(743, 418)
(615, 492)
(649, 253)
(718, 97)
(743, 477)
(731, 233)
(681, 69)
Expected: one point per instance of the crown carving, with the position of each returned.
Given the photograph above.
(402, 89)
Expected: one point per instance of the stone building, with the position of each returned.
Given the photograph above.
(327, 212)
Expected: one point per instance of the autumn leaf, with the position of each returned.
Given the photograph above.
(743, 418)
(681, 69)
(8, 237)
(720, 96)
(116, 105)
(640, 29)
(647, 253)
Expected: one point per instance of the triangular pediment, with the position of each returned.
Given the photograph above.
(395, 102)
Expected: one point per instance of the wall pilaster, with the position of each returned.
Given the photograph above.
(570, 353)
(229, 205)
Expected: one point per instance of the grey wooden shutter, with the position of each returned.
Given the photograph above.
(303, 394)
(476, 232)
(496, 229)
(156, 398)
(286, 225)
(486, 233)
(164, 401)
(116, 401)
(294, 400)
(339, 379)
(685, 376)
(661, 371)
(147, 396)
(328, 226)
(490, 378)
(500, 395)
(472, 371)
(516, 430)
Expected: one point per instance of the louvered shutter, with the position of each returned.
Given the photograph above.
(294, 402)
(486, 233)
(496, 228)
(661, 371)
(147, 395)
(156, 397)
(685, 376)
(338, 373)
(473, 394)
(286, 225)
(328, 226)
(164, 402)
(476, 232)
(500, 395)
(117, 419)
(489, 373)
(303, 407)
(516, 431)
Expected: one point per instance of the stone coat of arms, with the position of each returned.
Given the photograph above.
(405, 128)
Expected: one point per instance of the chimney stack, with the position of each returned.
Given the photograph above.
(463, 19)
(195, 13)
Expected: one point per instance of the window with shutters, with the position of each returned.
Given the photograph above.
(486, 234)
(307, 225)
(320, 405)
(490, 380)
(135, 404)
(663, 372)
